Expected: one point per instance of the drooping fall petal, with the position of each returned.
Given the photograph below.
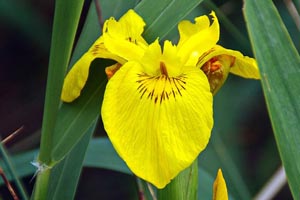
(126, 31)
(157, 124)
(219, 188)
(245, 67)
(77, 76)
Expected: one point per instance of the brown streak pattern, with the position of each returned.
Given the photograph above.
(172, 87)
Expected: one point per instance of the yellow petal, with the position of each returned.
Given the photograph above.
(239, 64)
(154, 56)
(245, 67)
(195, 39)
(123, 48)
(220, 189)
(129, 27)
(124, 42)
(99, 50)
(77, 76)
(157, 124)
(124, 37)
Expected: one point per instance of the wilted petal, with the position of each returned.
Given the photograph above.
(239, 64)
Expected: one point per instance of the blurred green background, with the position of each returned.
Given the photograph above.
(242, 142)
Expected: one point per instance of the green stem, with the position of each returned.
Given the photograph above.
(183, 187)
(66, 18)
(41, 186)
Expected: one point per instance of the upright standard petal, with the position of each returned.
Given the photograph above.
(158, 124)
(219, 188)
(124, 38)
(129, 27)
(196, 39)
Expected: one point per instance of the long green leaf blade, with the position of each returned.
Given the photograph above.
(101, 154)
(67, 13)
(65, 176)
(162, 16)
(279, 64)
(66, 18)
(76, 118)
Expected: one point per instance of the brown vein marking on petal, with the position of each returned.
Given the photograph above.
(205, 54)
(96, 48)
(160, 88)
(132, 40)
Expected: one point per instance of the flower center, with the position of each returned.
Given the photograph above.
(163, 69)
(161, 88)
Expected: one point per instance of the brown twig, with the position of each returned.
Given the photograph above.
(8, 185)
(151, 191)
(293, 12)
(12, 135)
(99, 13)
(140, 189)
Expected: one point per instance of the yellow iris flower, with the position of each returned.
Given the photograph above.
(157, 106)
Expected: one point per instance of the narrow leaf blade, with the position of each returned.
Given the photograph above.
(65, 176)
(162, 16)
(279, 64)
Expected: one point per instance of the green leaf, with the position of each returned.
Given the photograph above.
(23, 161)
(65, 176)
(279, 64)
(184, 186)
(75, 119)
(162, 16)
(101, 154)
(66, 18)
